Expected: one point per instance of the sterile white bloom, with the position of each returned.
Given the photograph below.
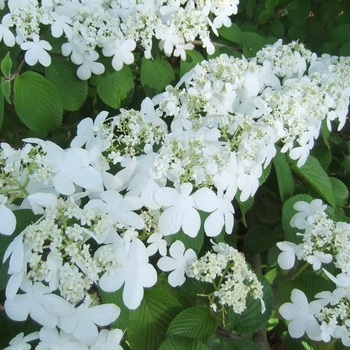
(7, 218)
(286, 259)
(156, 243)
(84, 321)
(304, 217)
(121, 52)
(118, 207)
(178, 263)
(20, 342)
(50, 338)
(133, 271)
(221, 210)
(89, 66)
(181, 212)
(301, 313)
(38, 302)
(108, 340)
(5, 33)
(36, 51)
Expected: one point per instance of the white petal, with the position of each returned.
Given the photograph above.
(7, 221)
(18, 308)
(191, 222)
(86, 330)
(104, 314)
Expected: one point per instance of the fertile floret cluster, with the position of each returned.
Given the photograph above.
(233, 280)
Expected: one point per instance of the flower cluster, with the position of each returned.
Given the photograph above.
(323, 242)
(233, 281)
(322, 238)
(128, 182)
(112, 28)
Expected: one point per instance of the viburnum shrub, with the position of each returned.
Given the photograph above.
(129, 237)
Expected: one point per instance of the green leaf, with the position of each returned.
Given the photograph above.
(233, 33)
(284, 175)
(341, 192)
(271, 4)
(307, 281)
(182, 343)
(219, 343)
(298, 12)
(149, 322)
(250, 7)
(264, 16)
(6, 65)
(258, 239)
(9, 329)
(323, 154)
(196, 322)
(194, 243)
(193, 57)
(252, 42)
(6, 90)
(37, 103)
(244, 206)
(345, 49)
(193, 287)
(315, 175)
(277, 28)
(287, 213)
(339, 35)
(156, 75)
(115, 87)
(72, 90)
(2, 108)
(252, 319)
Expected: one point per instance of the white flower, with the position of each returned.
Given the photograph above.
(82, 323)
(157, 243)
(108, 340)
(38, 302)
(86, 131)
(51, 339)
(181, 212)
(71, 166)
(144, 182)
(5, 33)
(118, 207)
(178, 263)
(304, 217)
(17, 266)
(286, 259)
(61, 24)
(89, 66)
(36, 51)
(133, 271)
(7, 218)
(301, 313)
(318, 258)
(122, 52)
(21, 343)
(221, 210)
